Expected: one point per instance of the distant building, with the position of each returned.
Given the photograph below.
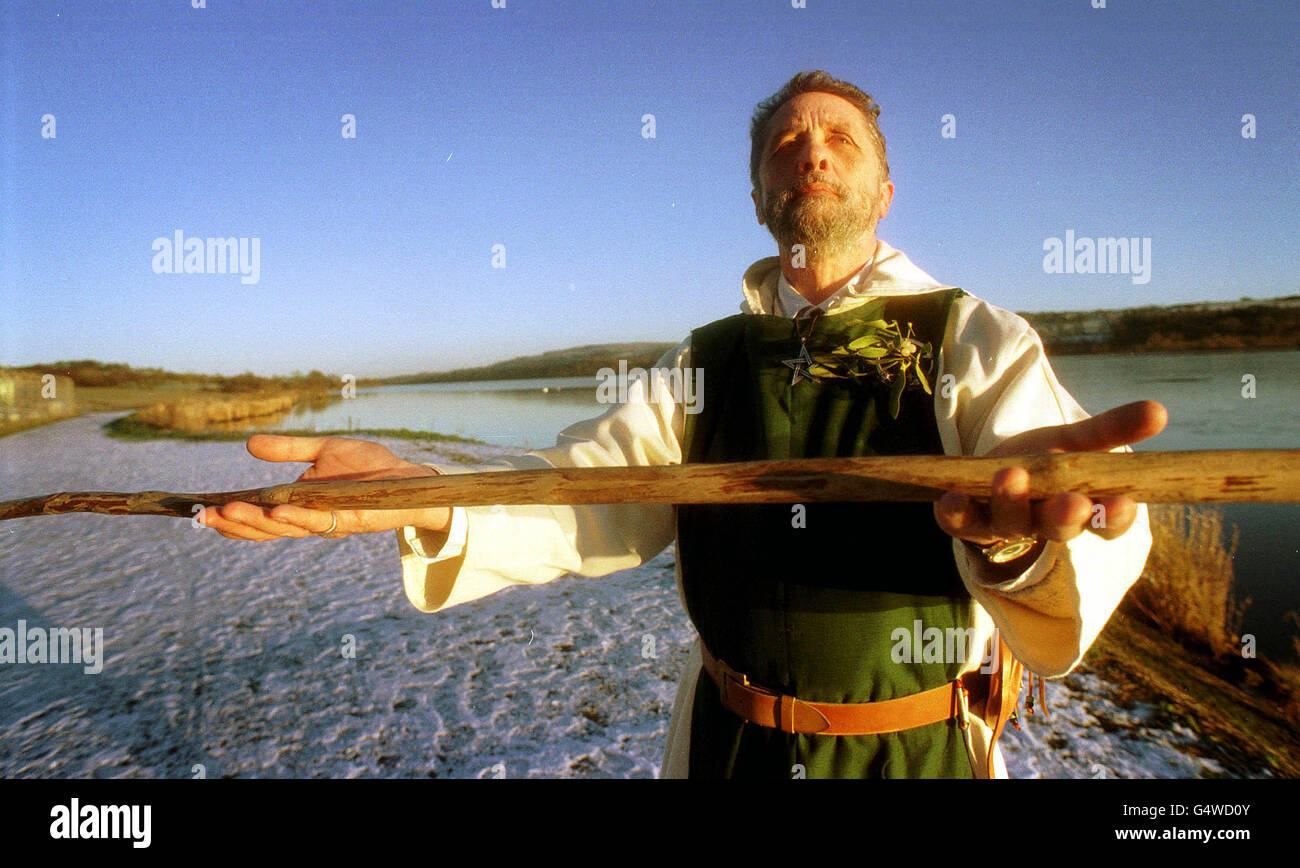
(1064, 329)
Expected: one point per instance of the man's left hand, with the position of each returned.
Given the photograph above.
(1063, 516)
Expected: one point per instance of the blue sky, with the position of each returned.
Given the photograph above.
(522, 127)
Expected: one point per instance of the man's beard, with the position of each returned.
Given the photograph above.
(826, 227)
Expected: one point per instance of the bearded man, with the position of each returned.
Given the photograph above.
(805, 664)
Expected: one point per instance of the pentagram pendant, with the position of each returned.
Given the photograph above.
(804, 321)
(799, 365)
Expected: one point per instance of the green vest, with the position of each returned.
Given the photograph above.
(811, 611)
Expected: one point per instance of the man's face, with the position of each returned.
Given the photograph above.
(819, 176)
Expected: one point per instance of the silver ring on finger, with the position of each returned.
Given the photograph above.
(334, 522)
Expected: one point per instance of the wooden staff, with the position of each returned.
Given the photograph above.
(1209, 476)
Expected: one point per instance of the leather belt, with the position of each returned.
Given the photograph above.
(789, 714)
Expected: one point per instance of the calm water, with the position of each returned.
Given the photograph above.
(503, 412)
(1203, 393)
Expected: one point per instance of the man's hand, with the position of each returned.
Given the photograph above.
(332, 458)
(1063, 516)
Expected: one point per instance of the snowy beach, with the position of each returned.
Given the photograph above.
(226, 658)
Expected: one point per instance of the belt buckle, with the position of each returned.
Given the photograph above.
(783, 710)
(742, 679)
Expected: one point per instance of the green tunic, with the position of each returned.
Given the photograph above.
(811, 611)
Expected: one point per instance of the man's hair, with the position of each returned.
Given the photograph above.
(815, 81)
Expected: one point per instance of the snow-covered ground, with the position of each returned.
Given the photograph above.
(227, 658)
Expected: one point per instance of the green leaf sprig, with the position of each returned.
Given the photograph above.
(887, 352)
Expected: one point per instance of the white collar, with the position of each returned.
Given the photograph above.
(767, 291)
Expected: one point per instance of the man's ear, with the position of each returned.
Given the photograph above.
(758, 206)
(886, 198)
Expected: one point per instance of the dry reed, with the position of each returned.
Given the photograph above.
(1186, 588)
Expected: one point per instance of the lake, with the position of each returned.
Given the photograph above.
(1203, 392)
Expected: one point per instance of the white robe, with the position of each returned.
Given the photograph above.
(1002, 385)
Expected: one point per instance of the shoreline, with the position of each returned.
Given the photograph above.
(1053, 350)
(99, 399)
(1238, 726)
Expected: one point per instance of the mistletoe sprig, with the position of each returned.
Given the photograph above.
(887, 352)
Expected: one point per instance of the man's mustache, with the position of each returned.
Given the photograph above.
(809, 180)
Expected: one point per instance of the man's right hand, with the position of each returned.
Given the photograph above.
(334, 458)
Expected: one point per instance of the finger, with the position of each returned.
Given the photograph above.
(232, 529)
(1064, 516)
(247, 534)
(1009, 505)
(1129, 423)
(258, 519)
(959, 516)
(277, 447)
(314, 521)
(1121, 426)
(237, 529)
(1115, 517)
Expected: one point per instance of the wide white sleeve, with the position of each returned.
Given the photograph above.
(1000, 385)
(486, 549)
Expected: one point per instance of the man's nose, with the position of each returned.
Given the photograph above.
(815, 157)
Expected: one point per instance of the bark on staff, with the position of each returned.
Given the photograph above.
(1208, 476)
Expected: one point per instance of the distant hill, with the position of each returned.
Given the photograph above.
(582, 361)
(88, 373)
(1212, 325)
